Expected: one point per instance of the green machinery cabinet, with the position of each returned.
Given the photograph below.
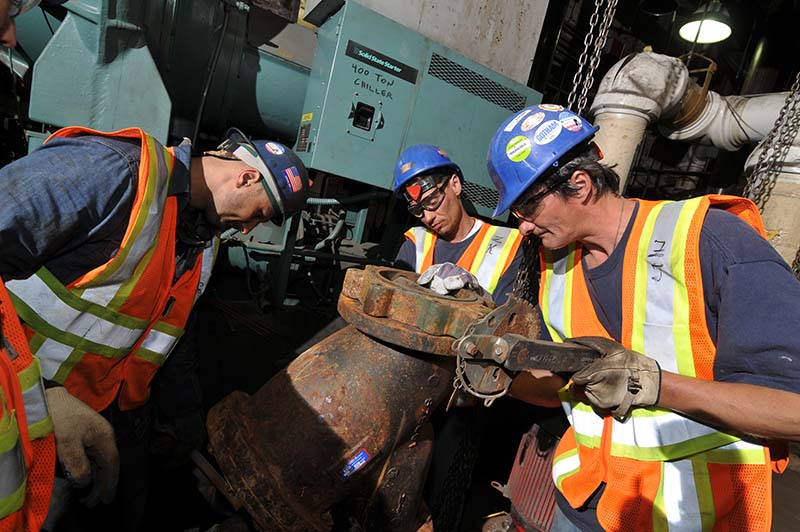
(377, 87)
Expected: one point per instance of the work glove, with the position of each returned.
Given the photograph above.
(84, 441)
(620, 379)
(446, 277)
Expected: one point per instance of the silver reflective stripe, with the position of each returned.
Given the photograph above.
(490, 256)
(420, 234)
(144, 241)
(556, 296)
(659, 340)
(51, 354)
(681, 505)
(35, 404)
(646, 430)
(159, 342)
(564, 466)
(46, 304)
(12, 465)
(209, 255)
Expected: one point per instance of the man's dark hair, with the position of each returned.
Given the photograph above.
(585, 158)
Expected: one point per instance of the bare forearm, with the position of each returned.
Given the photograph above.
(742, 408)
(540, 389)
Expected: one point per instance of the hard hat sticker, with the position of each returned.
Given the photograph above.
(294, 179)
(274, 149)
(547, 132)
(355, 463)
(414, 191)
(406, 167)
(518, 148)
(570, 121)
(550, 107)
(531, 122)
(511, 125)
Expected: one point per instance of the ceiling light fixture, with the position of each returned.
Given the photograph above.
(709, 24)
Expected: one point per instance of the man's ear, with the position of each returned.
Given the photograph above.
(248, 176)
(583, 184)
(455, 182)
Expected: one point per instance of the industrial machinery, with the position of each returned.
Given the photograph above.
(349, 93)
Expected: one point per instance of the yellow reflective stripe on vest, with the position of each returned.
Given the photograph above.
(48, 307)
(557, 294)
(684, 501)
(654, 435)
(423, 244)
(36, 413)
(564, 465)
(496, 246)
(12, 462)
(113, 286)
(588, 426)
(661, 298)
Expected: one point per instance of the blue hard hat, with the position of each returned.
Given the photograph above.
(420, 159)
(285, 178)
(528, 144)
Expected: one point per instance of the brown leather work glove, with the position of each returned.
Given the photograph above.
(620, 379)
(83, 434)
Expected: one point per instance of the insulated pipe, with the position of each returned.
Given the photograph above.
(637, 91)
(647, 88)
(730, 122)
(779, 209)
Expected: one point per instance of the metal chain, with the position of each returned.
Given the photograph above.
(599, 44)
(580, 83)
(796, 265)
(577, 79)
(776, 146)
(522, 282)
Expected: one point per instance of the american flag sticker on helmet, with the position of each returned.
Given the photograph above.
(294, 179)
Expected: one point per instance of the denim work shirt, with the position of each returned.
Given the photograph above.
(67, 205)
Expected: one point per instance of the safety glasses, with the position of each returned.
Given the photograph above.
(525, 208)
(431, 202)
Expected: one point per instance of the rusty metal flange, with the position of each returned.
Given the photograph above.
(388, 304)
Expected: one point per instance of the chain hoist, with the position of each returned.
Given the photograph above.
(776, 146)
(581, 83)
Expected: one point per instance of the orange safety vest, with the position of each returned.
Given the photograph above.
(488, 256)
(27, 447)
(105, 334)
(662, 471)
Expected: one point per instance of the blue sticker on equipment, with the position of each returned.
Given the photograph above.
(355, 463)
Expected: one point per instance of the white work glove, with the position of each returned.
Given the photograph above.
(620, 379)
(83, 438)
(446, 277)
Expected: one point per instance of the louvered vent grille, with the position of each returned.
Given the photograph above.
(474, 83)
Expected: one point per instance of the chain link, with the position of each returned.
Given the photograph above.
(528, 266)
(577, 79)
(796, 265)
(599, 44)
(762, 180)
(582, 83)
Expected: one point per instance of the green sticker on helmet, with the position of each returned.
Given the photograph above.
(518, 148)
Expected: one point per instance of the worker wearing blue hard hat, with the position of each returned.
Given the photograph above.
(451, 249)
(692, 310)
(108, 243)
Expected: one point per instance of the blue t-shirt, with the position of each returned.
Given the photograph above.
(445, 251)
(751, 301)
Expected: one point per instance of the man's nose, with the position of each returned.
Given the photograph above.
(247, 227)
(8, 34)
(526, 227)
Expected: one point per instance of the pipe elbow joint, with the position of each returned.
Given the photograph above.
(646, 84)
